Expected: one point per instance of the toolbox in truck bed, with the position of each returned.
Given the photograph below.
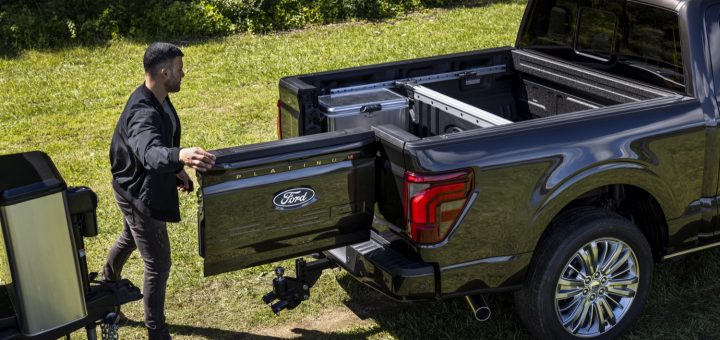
(364, 109)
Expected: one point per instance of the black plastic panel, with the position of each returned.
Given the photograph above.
(601, 85)
(25, 176)
(7, 313)
(288, 147)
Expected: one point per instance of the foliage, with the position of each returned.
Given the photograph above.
(57, 23)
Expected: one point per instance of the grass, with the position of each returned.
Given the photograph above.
(66, 103)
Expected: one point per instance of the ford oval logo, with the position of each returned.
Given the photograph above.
(294, 198)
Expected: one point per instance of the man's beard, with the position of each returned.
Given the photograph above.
(172, 86)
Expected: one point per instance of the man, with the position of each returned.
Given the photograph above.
(147, 167)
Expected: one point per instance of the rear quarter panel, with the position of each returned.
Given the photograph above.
(527, 172)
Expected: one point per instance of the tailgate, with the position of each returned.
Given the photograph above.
(272, 201)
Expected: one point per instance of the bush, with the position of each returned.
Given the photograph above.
(272, 15)
(53, 23)
(180, 20)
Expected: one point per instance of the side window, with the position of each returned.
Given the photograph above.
(630, 39)
(653, 39)
(552, 25)
(559, 25)
(596, 32)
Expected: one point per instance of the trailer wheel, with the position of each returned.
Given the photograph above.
(590, 277)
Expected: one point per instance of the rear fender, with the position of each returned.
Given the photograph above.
(627, 173)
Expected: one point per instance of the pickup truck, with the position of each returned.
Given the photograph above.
(560, 169)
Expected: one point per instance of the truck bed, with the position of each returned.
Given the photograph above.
(499, 87)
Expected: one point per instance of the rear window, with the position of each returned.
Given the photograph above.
(628, 39)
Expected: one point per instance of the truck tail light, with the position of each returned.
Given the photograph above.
(434, 202)
(279, 119)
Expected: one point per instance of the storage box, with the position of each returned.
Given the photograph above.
(364, 109)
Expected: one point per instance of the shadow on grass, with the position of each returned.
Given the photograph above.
(216, 333)
(314, 334)
(206, 332)
(480, 3)
(437, 319)
(11, 53)
(683, 304)
(684, 300)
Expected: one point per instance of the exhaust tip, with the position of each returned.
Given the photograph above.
(482, 314)
(478, 307)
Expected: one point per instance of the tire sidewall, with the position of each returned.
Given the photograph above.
(582, 233)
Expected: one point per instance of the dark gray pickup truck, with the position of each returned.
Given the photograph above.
(561, 169)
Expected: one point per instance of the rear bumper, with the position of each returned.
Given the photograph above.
(377, 265)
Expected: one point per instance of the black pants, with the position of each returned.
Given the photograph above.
(150, 237)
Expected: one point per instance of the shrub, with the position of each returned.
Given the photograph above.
(52, 23)
(180, 19)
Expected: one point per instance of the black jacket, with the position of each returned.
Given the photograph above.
(145, 156)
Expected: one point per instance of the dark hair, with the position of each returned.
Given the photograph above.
(157, 54)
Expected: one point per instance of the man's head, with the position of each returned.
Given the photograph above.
(163, 63)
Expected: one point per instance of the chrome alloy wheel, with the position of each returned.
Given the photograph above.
(597, 287)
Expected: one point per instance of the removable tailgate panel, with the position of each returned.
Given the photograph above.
(272, 201)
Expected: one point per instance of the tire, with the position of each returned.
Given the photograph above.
(550, 310)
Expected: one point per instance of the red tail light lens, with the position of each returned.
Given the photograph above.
(279, 119)
(434, 202)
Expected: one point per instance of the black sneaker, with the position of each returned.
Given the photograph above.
(122, 320)
(159, 334)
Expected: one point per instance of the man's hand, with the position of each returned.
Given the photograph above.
(184, 182)
(197, 158)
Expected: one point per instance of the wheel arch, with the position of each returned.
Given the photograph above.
(629, 189)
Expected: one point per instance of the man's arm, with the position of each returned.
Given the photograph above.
(145, 140)
(146, 143)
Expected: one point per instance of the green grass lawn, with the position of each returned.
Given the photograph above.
(66, 103)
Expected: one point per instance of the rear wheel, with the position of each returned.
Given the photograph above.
(590, 277)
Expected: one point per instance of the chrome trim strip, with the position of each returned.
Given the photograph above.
(497, 259)
(679, 6)
(531, 102)
(571, 99)
(688, 251)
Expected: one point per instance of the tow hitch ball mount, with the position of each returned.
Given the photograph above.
(290, 292)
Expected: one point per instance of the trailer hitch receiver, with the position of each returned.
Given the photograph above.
(290, 292)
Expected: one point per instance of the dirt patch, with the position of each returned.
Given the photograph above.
(335, 320)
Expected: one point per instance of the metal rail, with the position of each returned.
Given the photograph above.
(480, 71)
(456, 108)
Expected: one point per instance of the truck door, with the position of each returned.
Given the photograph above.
(272, 201)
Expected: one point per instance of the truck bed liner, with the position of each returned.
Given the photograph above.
(526, 85)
